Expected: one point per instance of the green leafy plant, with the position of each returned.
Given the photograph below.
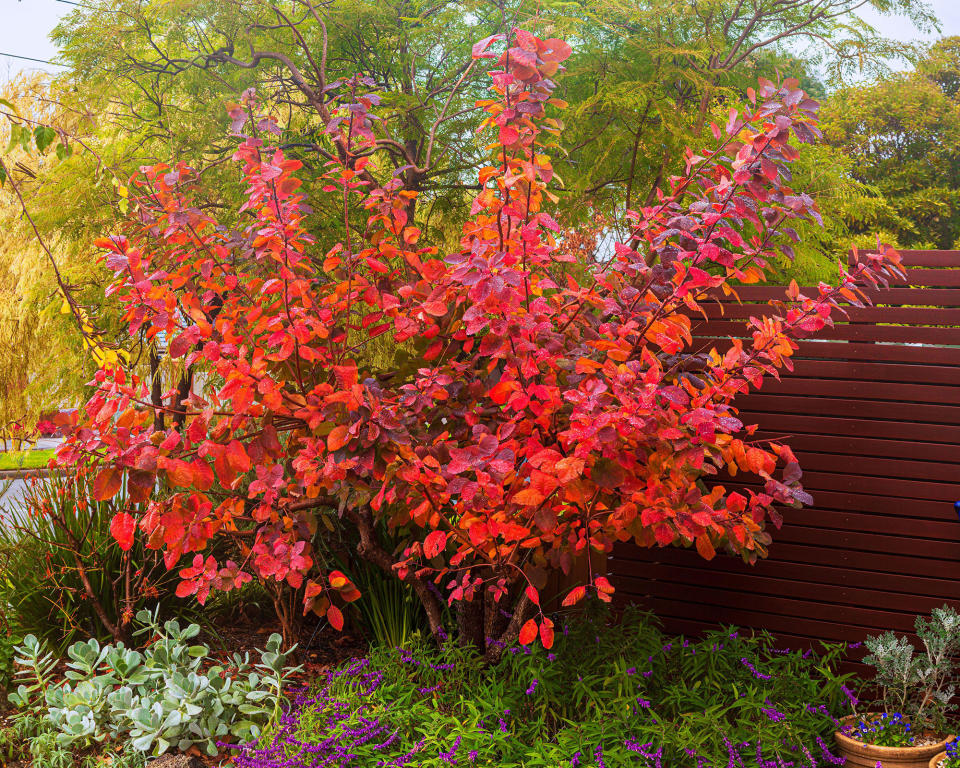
(605, 695)
(8, 642)
(919, 685)
(169, 694)
(885, 730)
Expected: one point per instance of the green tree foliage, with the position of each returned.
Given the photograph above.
(147, 80)
(902, 137)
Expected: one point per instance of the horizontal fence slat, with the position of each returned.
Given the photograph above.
(930, 258)
(789, 561)
(790, 423)
(833, 631)
(894, 296)
(858, 446)
(919, 392)
(880, 467)
(870, 542)
(759, 586)
(895, 526)
(893, 334)
(904, 490)
(934, 277)
(887, 315)
(810, 608)
(760, 402)
(860, 370)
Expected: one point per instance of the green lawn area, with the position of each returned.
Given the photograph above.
(25, 459)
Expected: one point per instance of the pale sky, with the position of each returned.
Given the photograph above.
(25, 25)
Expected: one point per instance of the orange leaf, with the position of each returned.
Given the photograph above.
(180, 474)
(533, 594)
(107, 483)
(435, 308)
(575, 596)
(528, 633)
(528, 497)
(337, 438)
(500, 391)
(603, 585)
(705, 547)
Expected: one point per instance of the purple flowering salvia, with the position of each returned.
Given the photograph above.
(598, 754)
(757, 674)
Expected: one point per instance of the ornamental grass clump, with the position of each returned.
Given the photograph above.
(915, 687)
(623, 695)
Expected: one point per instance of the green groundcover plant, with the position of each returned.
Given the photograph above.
(170, 694)
(604, 696)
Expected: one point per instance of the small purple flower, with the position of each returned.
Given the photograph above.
(850, 696)
(532, 688)
(598, 753)
(773, 714)
(757, 674)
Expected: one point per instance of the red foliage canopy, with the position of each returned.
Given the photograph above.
(534, 403)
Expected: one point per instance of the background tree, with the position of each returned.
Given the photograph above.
(902, 136)
(145, 81)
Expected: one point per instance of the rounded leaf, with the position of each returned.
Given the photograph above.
(528, 633)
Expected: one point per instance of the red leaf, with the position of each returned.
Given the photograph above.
(122, 528)
(546, 634)
(509, 135)
(335, 617)
(558, 50)
(533, 594)
(434, 544)
(528, 632)
(435, 308)
(338, 580)
(107, 483)
(140, 484)
(480, 48)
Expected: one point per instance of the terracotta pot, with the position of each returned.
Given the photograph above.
(935, 760)
(860, 755)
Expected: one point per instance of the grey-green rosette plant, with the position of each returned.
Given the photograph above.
(169, 694)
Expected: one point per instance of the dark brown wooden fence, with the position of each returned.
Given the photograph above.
(873, 413)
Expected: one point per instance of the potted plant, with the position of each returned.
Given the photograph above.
(949, 758)
(908, 723)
